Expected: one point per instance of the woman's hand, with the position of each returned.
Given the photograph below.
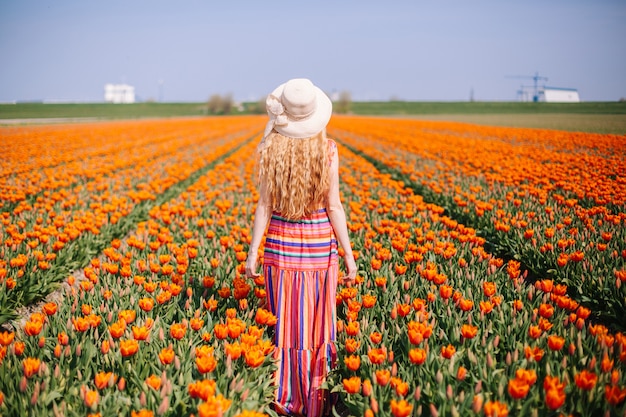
(252, 266)
(350, 277)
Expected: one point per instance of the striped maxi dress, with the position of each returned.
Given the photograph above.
(300, 264)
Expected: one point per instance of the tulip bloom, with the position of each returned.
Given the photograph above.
(353, 362)
(518, 388)
(489, 288)
(30, 366)
(614, 394)
(368, 301)
(377, 356)
(534, 353)
(91, 398)
(128, 347)
(352, 385)
(376, 337)
(6, 338)
(102, 379)
(401, 408)
(178, 330)
(495, 409)
(585, 380)
(206, 363)
(417, 356)
(154, 382)
(254, 357)
(166, 356)
(468, 331)
(352, 345)
(382, 377)
(117, 329)
(33, 328)
(448, 351)
(140, 333)
(555, 342)
(554, 391)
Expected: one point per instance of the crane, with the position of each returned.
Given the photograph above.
(536, 78)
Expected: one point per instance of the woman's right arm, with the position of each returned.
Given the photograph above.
(337, 217)
(261, 218)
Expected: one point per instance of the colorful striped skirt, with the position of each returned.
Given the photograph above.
(300, 264)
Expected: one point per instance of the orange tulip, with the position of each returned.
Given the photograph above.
(417, 356)
(554, 391)
(166, 356)
(352, 329)
(30, 366)
(254, 357)
(465, 304)
(91, 398)
(376, 337)
(353, 362)
(128, 347)
(154, 382)
(555, 342)
(206, 363)
(140, 333)
(528, 376)
(117, 329)
(202, 389)
(489, 288)
(468, 331)
(49, 308)
(401, 408)
(178, 330)
(448, 351)
(535, 332)
(146, 304)
(220, 331)
(585, 379)
(534, 353)
(445, 291)
(102, 379)
(614, 394)
(546, 310)
(495, 409)
(368, 301)
(6, 338)
(518, 388)
(377, 356)
(352, 345)
(33, 328)
(352, 385)
(486, 307)
(382, 377)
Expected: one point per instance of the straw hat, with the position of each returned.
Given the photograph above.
(298, 109)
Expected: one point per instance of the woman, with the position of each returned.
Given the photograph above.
(299, 198)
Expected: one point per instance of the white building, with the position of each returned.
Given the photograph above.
(560, 95)
(119, 93)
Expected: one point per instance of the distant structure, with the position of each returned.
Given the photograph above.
(119, 93)
(538, 92)
(559, 95)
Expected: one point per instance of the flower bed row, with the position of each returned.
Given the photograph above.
(555, 200)
(47, 237)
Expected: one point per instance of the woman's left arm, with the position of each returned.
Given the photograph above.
(261, 218)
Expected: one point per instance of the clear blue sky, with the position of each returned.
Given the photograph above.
(376, 50)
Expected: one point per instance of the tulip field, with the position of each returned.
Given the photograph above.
(492, 276)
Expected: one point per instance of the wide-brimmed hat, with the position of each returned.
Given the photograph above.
(298, 109)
